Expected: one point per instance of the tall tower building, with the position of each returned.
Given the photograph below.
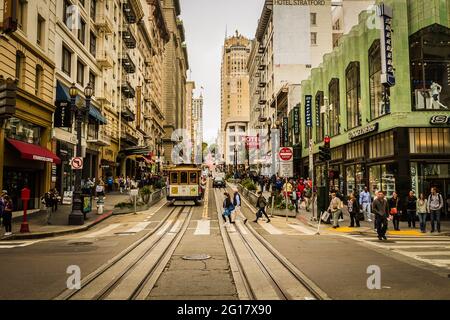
(234, 92)
(197, 125)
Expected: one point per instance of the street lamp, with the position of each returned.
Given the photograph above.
(76, 217)
(158, 147)
(235, 160)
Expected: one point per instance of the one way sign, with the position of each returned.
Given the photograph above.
(76, 163)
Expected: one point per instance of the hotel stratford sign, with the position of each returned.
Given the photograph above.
(363, 131)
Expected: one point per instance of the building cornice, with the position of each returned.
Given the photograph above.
(264, 20)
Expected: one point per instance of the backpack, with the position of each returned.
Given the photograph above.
(235, 199)
(439, 197)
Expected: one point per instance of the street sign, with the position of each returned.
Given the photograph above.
(76, 163)
(286, 156)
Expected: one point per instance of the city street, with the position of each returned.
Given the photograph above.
(333, 264)
(184, 152)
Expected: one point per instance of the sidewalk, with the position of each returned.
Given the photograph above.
(368, 228)
(39, 228)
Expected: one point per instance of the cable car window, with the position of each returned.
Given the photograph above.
(193, 178)
(183, 177)
(173, 177)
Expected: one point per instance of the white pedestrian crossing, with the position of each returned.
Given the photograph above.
(103, 230)
(427, 249)
(138, 227)
(270, 228)
(302, 229)
(203, 228)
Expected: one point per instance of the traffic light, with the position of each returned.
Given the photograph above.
(325, 152)
(8, 89)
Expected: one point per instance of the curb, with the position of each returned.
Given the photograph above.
(40, 235)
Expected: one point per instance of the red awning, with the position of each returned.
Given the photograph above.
(34, 152)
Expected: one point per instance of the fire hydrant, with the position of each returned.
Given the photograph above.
(100, 204)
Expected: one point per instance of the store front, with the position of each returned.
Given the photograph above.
(25, 161)
(430, 161)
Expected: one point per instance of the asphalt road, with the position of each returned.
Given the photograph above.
(336, 263)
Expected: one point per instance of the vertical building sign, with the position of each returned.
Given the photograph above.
(318, 110)
(296, 120)
(138, 106)
(285, 131)
(387, 67)
(308, 111)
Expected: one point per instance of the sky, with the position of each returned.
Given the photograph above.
(205, 24)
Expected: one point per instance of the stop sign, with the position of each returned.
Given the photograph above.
(285, 154)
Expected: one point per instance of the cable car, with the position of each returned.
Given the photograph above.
(185, 185)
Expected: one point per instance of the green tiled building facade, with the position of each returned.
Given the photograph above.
(386, 138)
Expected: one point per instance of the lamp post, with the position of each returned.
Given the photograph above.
(158, 146)
(76, 217)
(235, 160)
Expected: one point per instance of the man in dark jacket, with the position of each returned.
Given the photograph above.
(411, 208)
(381, 210)
(261, 204)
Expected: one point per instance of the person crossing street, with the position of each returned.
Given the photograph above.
(435, 205)
(380, 208)
(261, 204)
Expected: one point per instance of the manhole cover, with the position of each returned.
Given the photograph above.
(80, 243)
(197, 257)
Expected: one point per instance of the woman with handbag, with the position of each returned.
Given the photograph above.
(394, 210)
(422, 208)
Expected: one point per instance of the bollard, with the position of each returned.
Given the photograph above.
(25, 196)
(100, 204)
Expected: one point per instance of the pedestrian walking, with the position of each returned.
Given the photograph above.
(261, 204)
(353, 210)
(365, 202)
(411, 209)
(295, 199)
(380, 208)
(237, 206)
(48, 201)
(7, 215)
(55, 199)
(228, 208)
(2, 204)
(422, 210)
(335, 209)
(394, 210)
(435, 205)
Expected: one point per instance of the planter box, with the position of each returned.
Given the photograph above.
(282, 212)
(154, 198)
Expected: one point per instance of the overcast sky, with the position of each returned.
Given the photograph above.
(205, 22)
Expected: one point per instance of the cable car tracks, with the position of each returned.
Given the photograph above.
(259, 270)
(133, 273)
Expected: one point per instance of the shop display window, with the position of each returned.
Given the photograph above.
(430, 68)
(19, 129)
(429, 140)
(382, 178)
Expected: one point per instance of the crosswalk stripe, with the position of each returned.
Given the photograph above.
(203, 227)
(270, 228)
(301, 229)
(164, 228)
(138, 227)
(103, 230)
(175, 227)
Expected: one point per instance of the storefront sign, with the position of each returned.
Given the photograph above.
(296, 120)
(67, 197)
(308, 111)
(299, 2)
(285, 131)
(363, 131)
(63, 115)
(440, 120)
(387, 67)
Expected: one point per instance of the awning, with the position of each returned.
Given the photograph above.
(62, 94)
(96, 115)
(34, 152)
